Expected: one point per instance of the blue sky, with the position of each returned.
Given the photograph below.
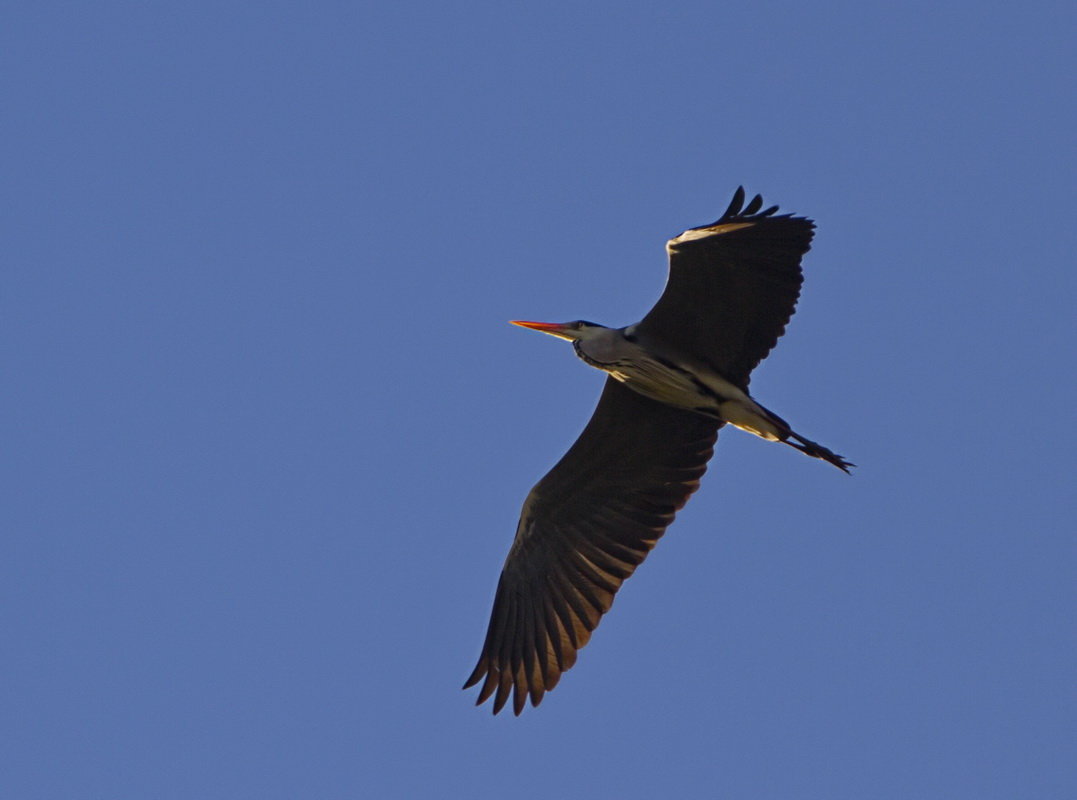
(267, 432)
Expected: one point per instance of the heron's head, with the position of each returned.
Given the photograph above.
(578, 331)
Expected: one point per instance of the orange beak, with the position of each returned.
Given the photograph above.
(558, 329)
(545, 327)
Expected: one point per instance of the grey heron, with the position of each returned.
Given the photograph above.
(673, 379)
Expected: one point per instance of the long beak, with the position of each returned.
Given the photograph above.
(557, 329)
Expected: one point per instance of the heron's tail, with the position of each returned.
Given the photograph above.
(816, 450)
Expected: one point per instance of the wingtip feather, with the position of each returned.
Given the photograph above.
(735, 204)
(476, 674)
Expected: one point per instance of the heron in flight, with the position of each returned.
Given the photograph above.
(674, 379)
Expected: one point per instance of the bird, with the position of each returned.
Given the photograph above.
(673, 380)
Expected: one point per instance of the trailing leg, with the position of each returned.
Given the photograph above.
(816, 450)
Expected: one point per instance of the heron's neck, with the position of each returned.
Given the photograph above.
(603, 348)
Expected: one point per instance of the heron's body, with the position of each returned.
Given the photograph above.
(661, 372)
(675, 378)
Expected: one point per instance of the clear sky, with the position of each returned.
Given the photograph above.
(266, 432)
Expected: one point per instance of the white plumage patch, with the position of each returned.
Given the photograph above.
(692, 234)
(747, 419)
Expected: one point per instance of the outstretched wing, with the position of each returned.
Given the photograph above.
(584, 529)
(732, 287)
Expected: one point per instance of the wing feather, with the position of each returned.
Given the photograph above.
(732, 288)
(584, 529)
